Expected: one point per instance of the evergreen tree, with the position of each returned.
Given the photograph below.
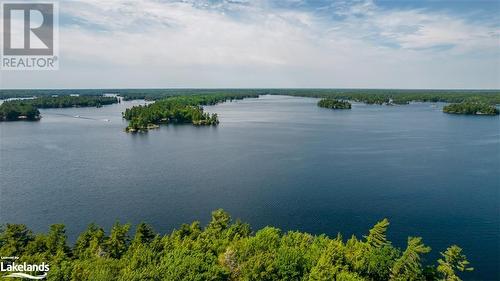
(377, 235)
(453, 260)
(408, 266)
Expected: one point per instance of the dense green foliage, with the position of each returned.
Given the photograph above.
(72, 101)
(334, 104)
(224, 250)
(181, 109)
(403, 96)
(471, 108)
(372, 96)
(33, 93)
(20, 110)
(27, 109)
(93, 97)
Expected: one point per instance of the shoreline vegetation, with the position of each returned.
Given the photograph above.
(370, 96)
(18, 110)
(226, 250)
(334, 104)
(176, 110)
(185, 105)
(27, 109)
(189, 109)
(471, 108)
(72, 101)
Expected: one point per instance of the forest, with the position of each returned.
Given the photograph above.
(19, 110)
(188, 108)
(471, 108)
(371, 96)
(27, 109)
(226, 250)
(334, 104)
(185, 105)
(403, 96)
(72, 101)
(176, 110)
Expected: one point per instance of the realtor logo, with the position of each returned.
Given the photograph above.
(30, 36)
(43, 32)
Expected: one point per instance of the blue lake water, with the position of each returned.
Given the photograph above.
(275, 160)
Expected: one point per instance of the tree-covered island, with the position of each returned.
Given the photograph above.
(21, 110)
(176, 110)
(225, 250)
(471, 108)
(334, 104)
(27, 109)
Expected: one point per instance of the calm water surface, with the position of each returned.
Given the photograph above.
(275, 160)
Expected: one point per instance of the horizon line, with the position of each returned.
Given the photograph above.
(257, 88)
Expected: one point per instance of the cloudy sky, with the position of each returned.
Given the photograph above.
(273, 43)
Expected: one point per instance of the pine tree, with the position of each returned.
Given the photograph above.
(408, 266)
(377, 235)
(453, 260)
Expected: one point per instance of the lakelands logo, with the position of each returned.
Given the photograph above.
(30, 36)
(18, 270)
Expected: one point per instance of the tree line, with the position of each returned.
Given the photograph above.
(27, 109)
(175, 110)
(19, 110)
(72, 101)
(471, 108)
(226, 250)
(372, 96)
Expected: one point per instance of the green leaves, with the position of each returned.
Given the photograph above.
(220, 221)
(377, 235)
(27, 109)
(117, 243)
(226, 250)
(177, 110)
(144, 234)
(408, 266)
(453, 260)
(18, 110)
(89, 243)
(334, 104)
(14, 239)
(471, 108)
(331, 262)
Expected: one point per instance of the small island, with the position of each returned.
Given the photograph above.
(27, 109)
(334, 104)
(14, 111)
(471, 108)
(176, 110)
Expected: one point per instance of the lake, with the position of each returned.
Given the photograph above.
(274, 160)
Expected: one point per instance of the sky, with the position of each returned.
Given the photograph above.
(273, 44)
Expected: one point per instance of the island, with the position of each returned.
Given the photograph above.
(471, 108)
(393, 96)
(14, 111)
(334, 104)
(176, 110)
(226, 250)
(27, 109)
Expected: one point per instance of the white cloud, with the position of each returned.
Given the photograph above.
(153, 43)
